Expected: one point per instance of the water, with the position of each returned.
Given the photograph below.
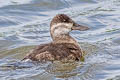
(25, 23)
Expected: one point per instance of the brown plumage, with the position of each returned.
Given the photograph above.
(53, 51)
(63, 47)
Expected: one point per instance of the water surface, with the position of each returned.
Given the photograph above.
(25, 23)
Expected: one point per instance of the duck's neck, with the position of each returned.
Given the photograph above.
(66, 38)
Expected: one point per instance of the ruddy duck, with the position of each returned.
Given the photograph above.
(63, 45)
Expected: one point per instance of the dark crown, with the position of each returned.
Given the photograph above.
(61, 18)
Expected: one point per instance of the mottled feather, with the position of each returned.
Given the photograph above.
(55, 51)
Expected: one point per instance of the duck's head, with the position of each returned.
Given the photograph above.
(61, 25)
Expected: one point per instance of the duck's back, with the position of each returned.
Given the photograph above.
(55, 51)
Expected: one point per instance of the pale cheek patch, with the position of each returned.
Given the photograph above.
(60, 24)
(60, 31)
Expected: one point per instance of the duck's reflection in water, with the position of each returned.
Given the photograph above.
(73, 70)
(57, 70)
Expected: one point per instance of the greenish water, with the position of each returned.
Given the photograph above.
(25, 24)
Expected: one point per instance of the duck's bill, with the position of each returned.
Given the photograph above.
(79, 27)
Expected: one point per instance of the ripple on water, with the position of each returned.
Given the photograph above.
(26, 22)
(57, 70)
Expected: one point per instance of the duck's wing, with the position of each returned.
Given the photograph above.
(55, 52)
(75, 51)
(38, 53)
